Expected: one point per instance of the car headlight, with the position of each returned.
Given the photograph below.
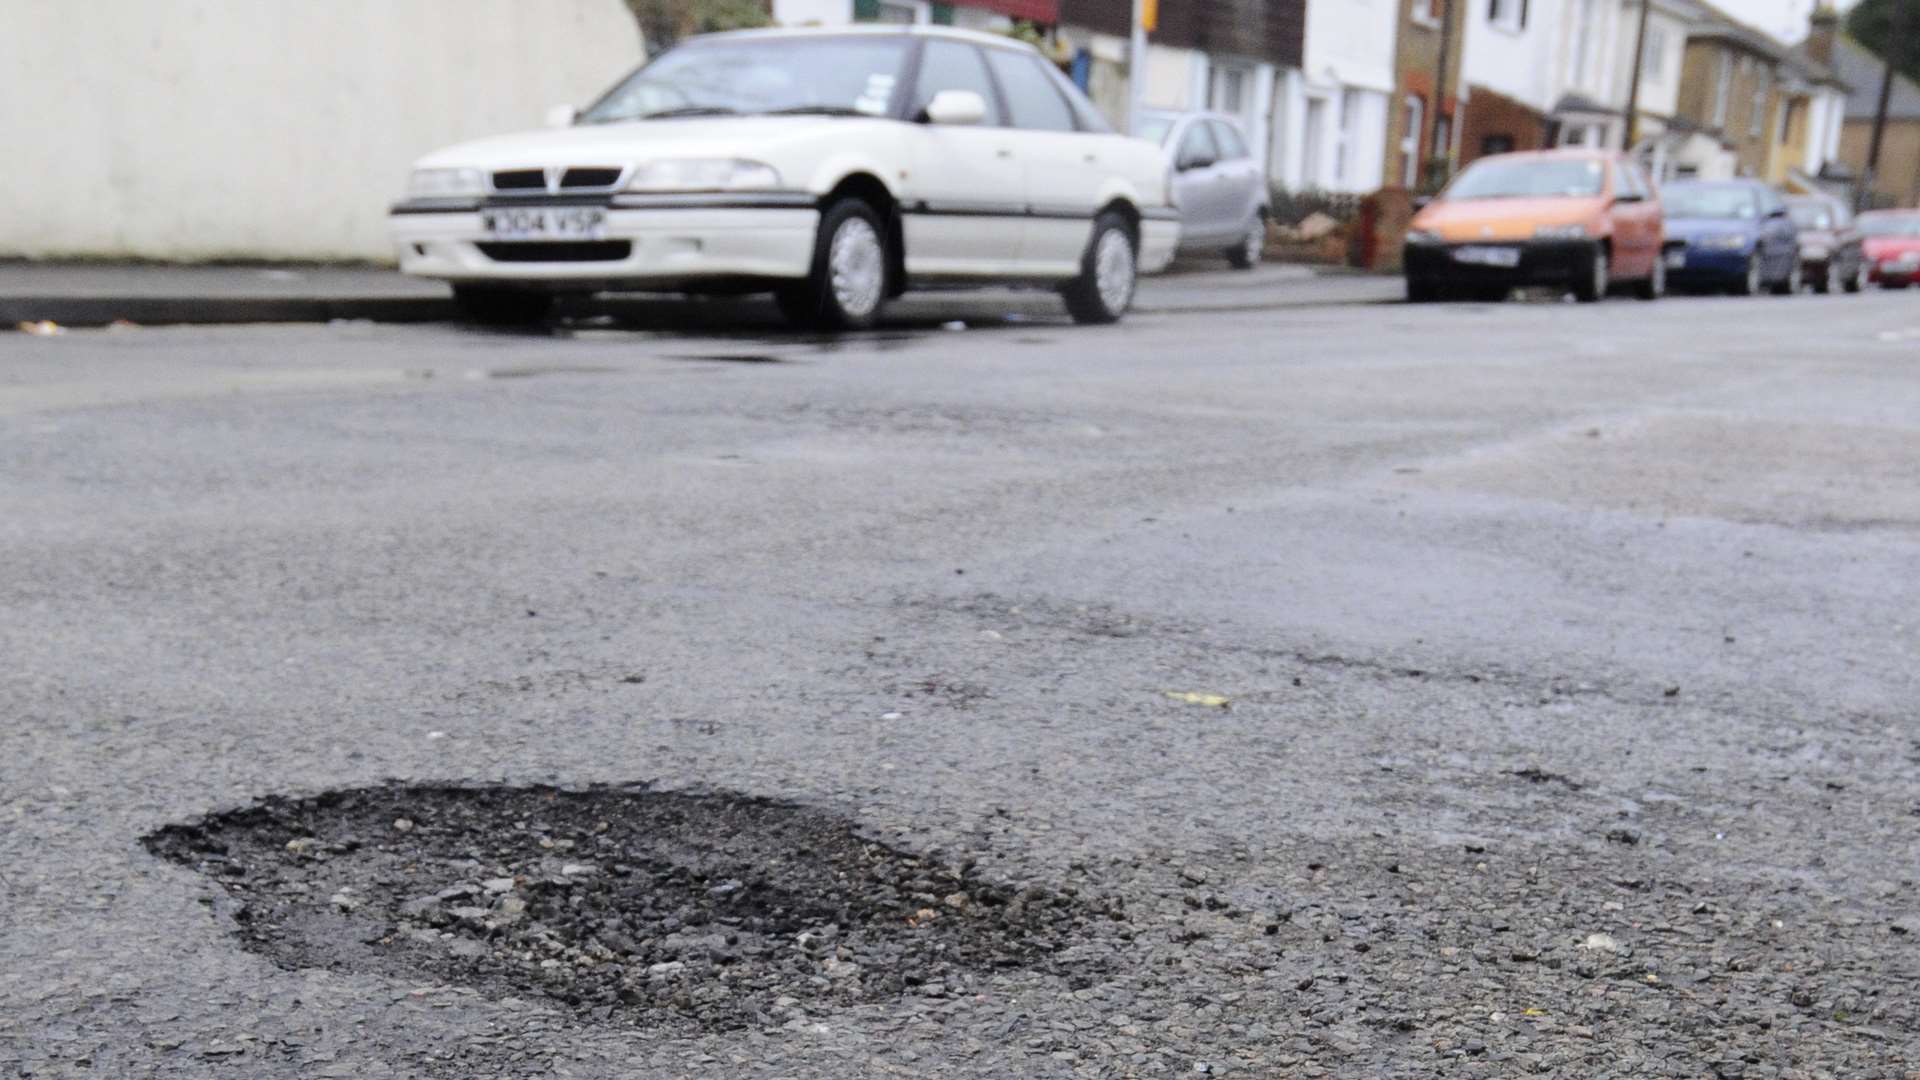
(1560, 232)
(703, 174)
(1422, 236)
(1725, 242)
(437, 183)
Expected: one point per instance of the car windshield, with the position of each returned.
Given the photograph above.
(1811, 215)
(1702, 201)
(853, 75)
(1497, 179)
(1154, 128)
(1890, 224)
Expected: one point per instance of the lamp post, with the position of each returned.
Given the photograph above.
(1440, 121)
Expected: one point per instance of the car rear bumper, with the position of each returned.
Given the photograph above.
(653, 247)
(1888, 272)
(1555, 262)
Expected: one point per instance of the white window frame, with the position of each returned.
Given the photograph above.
(1757, 120)
(1346, 139)
(1426, 13)
(1508, 15)
(1655, 61)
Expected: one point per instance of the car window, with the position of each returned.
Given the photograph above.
(722, 75)
(1034, 102)
(1890, 224)
(1728, 202)
(1154, 129)
(1511, 178)
(953, 65)
(1812, 215)
(1630, 180)
(1232, 146)
(1197, 147)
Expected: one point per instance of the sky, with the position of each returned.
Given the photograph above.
(1786, 19)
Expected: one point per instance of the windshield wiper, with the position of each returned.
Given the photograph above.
(816, 110)
(689, 110)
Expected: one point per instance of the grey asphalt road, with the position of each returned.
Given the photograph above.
(1568, 653)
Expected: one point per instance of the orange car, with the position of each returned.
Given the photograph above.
(1584, 219)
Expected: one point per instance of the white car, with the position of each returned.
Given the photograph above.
(834, 168)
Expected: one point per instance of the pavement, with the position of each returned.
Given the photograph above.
(1328, 691)
(98, 294)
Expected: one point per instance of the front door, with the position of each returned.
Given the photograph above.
(966, 212)
(1199, 186)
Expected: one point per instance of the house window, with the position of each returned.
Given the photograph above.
(1228, 94)
(1582, 43)
(899, 11)
(1757, 116)
(1349, 123)
(1426, 12)
(1496, 144)
(1507, 14)
(1410, 142)
(1655, 60)
(1786, 121)
(1722, 90)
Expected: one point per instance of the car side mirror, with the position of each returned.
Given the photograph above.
(562, 116)
(958, 108)
(1629, 197)
(1777, 213)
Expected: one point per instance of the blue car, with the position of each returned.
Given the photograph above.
(1730, 234)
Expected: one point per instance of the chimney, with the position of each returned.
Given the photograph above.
(1822, 25)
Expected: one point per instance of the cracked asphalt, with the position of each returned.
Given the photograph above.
(1568, 656)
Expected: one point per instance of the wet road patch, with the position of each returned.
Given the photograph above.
(672, 909)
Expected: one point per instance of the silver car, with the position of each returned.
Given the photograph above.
(1220, 188)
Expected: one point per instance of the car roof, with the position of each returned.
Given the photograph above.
(1736, 182)
(1564, 153)
(977, 37)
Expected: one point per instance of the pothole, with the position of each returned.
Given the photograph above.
(628, 904)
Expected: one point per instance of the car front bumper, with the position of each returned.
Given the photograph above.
(1536, 262)
(658, 243)
(1710, 266)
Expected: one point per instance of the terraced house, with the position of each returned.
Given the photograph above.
(1753, 107)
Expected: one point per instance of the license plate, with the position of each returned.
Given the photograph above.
(1488, 256)
(545, 223)
(1676, 260)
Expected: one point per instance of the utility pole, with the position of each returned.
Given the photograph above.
(1633, 86)
(1137, 65)
(1902, 34)
(1440, 85)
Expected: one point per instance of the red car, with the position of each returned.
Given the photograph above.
(1891, 241)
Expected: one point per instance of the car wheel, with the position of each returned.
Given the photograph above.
(1252, 247)
(1655, 285)
(1594, 283)
(1858, 282)
(1751, 281)
(1789, 285)
(493, 305)
(1108, 273)
(849, 278)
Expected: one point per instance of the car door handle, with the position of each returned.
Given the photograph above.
(1003, 152)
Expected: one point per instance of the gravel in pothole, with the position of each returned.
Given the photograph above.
(625, 903)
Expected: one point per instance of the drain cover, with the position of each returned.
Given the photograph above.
(624, 903)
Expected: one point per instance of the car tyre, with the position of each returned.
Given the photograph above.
(1593, 285)
(848, 281)
(1422, 290)
(1109, 272)
(1750, 282)
(1828, 280)
(1252, 247)
(1655, 284)
(1858, 282)
(493, 305)
(1791, 284)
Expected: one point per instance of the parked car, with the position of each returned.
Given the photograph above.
(1891, 240)
(1221, 190)
(1584, 219)
(1831, 255)
(1736, 235)
(833, 168)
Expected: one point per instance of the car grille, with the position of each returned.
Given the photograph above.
(520, 180)
(578, 178)
(556, 251)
